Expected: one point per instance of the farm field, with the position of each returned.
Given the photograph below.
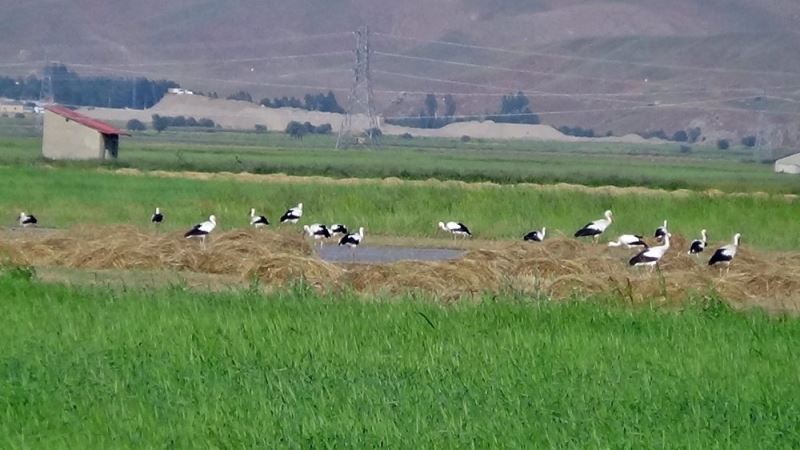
(64, 197)
(101, 367)
(121, 335)
(650, 165)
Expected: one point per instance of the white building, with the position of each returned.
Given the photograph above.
(789, 164)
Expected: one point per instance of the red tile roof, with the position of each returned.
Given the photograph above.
(94, 124)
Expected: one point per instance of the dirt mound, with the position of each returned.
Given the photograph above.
(559, 268)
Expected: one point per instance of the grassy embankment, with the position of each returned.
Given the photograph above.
(139, 368)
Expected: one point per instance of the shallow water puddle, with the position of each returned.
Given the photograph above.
(385, 254)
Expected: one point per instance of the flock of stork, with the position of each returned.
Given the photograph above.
(647, 256)
(318, 231)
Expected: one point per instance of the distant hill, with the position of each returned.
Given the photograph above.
(620, 66)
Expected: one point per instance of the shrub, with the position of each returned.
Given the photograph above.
(723, 144)
(694, 134)
(135, 125)
(680, 136)
(325, 128)
(261, 128)
(465, 138)
(685, 149)
(19, 116)
(374, 132)
(749, 141)
(406, 136)
(207, 123)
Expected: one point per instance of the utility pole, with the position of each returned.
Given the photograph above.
(360, 100)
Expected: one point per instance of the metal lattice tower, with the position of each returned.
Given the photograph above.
(46, 95)
(360, 100)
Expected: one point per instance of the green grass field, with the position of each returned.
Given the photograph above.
(62, 197)
(652, 165)
(101, 368)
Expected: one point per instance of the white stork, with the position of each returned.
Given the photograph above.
(157, 218)
(257, 221)
(202, 229)
(650, 256)
(661, 232)
(318, 231)
(292, 215)
(596, 228)
(698, 245)
(27, 220)
(535, 235)
(455, 228)
(629, 241)
(725, 254)
(338, 228)
(353, 240)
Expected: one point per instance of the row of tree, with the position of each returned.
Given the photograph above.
(513, 108)
(311, 102)
(69, 88)
(161, 123)
(297, 130)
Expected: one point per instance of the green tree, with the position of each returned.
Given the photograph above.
(136, 125)
(160, 123)
(516, 109)
(242, 96)
(449, 105)
(296, 129)
(723, 144)
(431, 105)
(680, 136)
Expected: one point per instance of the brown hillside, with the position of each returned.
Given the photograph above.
(620, 66)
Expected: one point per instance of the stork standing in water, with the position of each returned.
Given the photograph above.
(650, 256)
(292, 215)
(353, 240)
(27, 220)
(318, 231)
(698, 245)
(596, 228)
(661, 232)
(535, 235)
(157, 218)
(456, 229)
(202, 230)
(257, 221)
(725, 254)
(629, 241)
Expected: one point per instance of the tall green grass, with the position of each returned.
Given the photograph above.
(67, 196)
(98, 368)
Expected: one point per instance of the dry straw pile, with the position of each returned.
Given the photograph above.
(559, 268)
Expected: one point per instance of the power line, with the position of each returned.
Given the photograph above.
(203, 45)
(566, 75)
(594, 59)
(682, 105)
(228, 61)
